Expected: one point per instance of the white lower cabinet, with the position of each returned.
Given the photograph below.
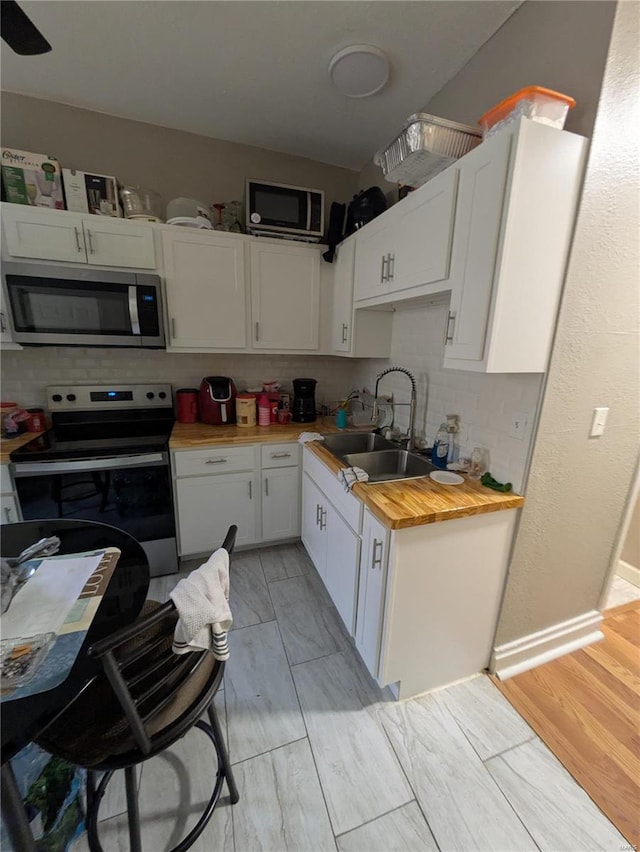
(255, 487)
(9, 506)
(371, 590)
(334, 549)
(208, 505)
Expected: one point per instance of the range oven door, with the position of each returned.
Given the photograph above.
(132, 493)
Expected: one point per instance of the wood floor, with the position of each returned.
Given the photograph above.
(586, 707)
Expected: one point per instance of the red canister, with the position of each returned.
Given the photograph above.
(187, 405)
(35, 423)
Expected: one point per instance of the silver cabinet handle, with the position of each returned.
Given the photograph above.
(376, 561)
(448, 331)
(78, 243)
(266, 486)
(382, 275)
(391, 267)
(323, 519)
(345, 328)
(318, 511)
(3, 325)
(7, 515)
(257, 331)
(173, 328)
(90, 235)
(250, 490)
(216, 461)
(280, 455)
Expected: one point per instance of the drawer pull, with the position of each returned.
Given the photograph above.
(448, 332)
(173, 328)
(250, 490)
(90, 235)
(391, 267)
(280, 455)
(323, 519)
(78, 244)
(318, 511)
(345, 329)
(215, 461)
(382, 276)
(266, 486)
(7, 514)
(257, 332)
(376, 561)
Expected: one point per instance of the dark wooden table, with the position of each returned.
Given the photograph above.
(24, 718)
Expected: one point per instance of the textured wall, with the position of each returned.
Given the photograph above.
(26, 373)
(561, 45)
(485, 403)
(578, 486)
(631, 550)
(172, 162)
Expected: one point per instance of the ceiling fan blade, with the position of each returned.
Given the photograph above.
(20, 34)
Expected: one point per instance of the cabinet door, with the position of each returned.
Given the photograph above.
(46, 234)
(375, 245)
(119, 242)
(481, 194)
(285, 296)
(371, 591)
(341, 575)
(342, 315)
(280, 503)
(313, 536)
(208, 505)
(9, 513)
(205, 283)
(425, 231)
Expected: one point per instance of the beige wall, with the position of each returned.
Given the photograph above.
(579, 486)
(171, 162)
(561, 45)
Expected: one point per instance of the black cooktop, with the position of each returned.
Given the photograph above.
(49, 446)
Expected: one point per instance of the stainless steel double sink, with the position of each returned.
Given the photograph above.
(381, 459)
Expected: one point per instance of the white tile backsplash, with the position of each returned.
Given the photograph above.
(486, 403)
(26, 373)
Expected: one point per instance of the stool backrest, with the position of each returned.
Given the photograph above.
(143, 671)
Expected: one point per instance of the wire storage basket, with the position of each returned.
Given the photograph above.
(426, 146)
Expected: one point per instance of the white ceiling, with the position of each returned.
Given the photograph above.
(252, 72)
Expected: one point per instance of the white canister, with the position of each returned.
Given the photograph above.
(245, 409)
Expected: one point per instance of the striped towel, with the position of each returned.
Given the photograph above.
(348, 476)
(202, 601)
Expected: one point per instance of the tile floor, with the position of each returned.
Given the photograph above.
(621, 592)
(325, 760)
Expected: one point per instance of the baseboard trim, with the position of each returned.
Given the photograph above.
(533, 650)
(628, 572)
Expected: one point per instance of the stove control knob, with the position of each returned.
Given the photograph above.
(56, 397)
(71, 397)
(162, 395)
(150, 395)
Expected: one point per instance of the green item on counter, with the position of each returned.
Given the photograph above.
(490, 482)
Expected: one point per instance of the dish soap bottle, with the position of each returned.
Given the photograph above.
(440, 449)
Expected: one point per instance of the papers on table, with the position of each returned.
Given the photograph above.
(45, 600)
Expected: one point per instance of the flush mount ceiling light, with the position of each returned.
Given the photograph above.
(359, 70)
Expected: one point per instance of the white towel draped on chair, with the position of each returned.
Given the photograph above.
(202, 601)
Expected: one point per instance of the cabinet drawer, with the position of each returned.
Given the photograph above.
(214, 460)
(347, 505)
(6, 486)
(280, 455)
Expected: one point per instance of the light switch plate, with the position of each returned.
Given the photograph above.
(599, 422)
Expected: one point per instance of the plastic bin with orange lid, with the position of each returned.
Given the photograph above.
(542, 105)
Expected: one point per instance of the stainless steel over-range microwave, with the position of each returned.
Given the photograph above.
(65, 306)
(277, 209)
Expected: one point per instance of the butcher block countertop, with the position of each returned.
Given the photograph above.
(193, 436)
(8, 445)
(414, 502)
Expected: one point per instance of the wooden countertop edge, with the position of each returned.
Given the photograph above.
(8, 445)
(194, 436)
(375, 495)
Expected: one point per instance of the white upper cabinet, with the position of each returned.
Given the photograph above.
(425, 231)
(57, 235)
(341, 327)
(375, 248)
(205, 289)
(516, 209)
(285, 295)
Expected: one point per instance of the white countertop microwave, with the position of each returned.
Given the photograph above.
(278, 209)
(67, 306)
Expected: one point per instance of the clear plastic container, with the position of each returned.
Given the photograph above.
(141, 203)
(542, 105)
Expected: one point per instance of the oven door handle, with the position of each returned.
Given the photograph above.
(39, 468)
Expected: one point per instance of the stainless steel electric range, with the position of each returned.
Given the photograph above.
(106, 458)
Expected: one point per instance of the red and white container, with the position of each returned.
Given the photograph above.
(264, 410)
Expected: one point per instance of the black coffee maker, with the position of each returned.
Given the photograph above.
(304, 400)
